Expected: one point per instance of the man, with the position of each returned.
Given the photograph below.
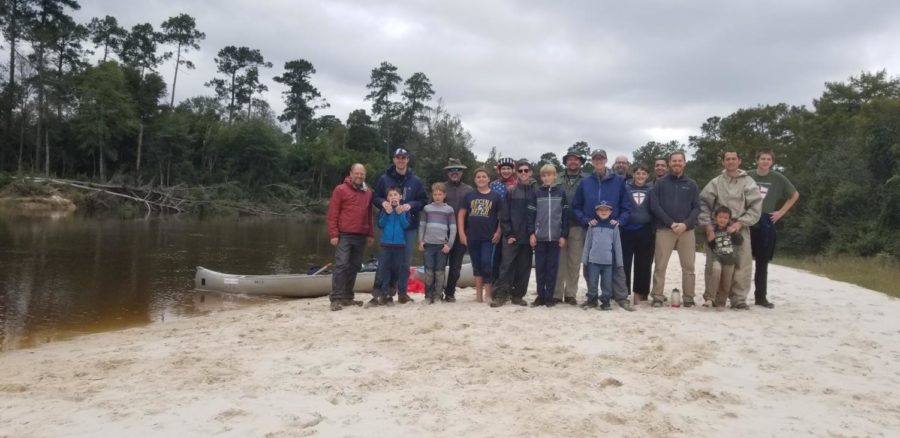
(517, 224)
(736, 190)
(456, 191)
(506, 180)
(775, 189)
(675, 204)
(570, 255)
(604, 185)
(622, 166)
(660, 168)
(413, 200)
(350, 228)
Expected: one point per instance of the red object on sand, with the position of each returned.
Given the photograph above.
(414, 285)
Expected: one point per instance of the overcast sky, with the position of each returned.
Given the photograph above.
(535, 76)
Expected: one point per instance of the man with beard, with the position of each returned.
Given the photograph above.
(350, 228)
(570, 255)
(456, 192)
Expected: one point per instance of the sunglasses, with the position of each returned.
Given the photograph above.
(524, 170)
(454, 170)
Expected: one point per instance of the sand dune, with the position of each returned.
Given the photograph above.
(825, 361)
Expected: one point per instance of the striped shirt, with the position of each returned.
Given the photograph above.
(437, 225)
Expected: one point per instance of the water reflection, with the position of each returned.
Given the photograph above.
(66, 276)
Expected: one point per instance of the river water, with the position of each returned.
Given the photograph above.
(61, 277)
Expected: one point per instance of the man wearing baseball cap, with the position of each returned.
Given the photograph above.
(413, 200)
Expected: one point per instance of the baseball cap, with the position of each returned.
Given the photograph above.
(400, 152)
(598, 153)
(603, 204)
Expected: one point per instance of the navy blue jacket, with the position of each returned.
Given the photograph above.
(411, 188)
(592, 190)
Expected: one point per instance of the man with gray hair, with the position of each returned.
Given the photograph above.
(350, 228)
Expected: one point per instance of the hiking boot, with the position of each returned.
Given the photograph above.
(449, 299)
(626, 305)
(374, 302)
(656, 303)
(605, 307)
(551, 303)
(688, 304)
(349, 303)
(589, 304)
(766, 304)
(570, 301)
(497, 302)
(518, 301)
(537, 302)
(403, 299)
(335, 306)
(386, 301)
(741, 306)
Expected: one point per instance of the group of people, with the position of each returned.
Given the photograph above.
(613, 226)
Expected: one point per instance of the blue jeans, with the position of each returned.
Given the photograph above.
(482, 253)
(435, 264)
(603, 274)
(394, 269)
(546, 258)
(410, 236)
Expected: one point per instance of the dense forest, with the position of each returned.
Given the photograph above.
(88, 101)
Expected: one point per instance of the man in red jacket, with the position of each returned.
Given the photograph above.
(350, 228)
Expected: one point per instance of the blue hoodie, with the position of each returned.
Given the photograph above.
(392, 227)
(611, 188)
(411, 188)
(602, 245)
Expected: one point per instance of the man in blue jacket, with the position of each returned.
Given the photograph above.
(413, 198)
(603, 185)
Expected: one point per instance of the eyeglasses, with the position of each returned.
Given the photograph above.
(524, 170)
(454, 170)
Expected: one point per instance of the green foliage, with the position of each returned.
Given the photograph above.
(650, 152)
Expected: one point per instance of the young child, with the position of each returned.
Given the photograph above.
(437, 232)
(602, 256)
(392, 257)
(723, 248)
(478, 224)
(551, 229)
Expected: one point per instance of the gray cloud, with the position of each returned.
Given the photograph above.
(530, 76)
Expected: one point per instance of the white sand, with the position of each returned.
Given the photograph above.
(825, 361)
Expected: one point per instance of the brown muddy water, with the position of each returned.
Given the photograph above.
(63, 277)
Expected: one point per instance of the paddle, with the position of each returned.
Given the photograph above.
(327, 265)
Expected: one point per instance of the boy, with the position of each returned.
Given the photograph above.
(723, 249)
(602, 255)
(437, 233)
(551, 229)
(392, 258)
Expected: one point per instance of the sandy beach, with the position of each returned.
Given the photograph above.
(824, 362)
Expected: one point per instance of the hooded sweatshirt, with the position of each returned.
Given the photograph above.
(602, 244)
(350, 210)
(411, 188)
(640, 215)
(739, 193)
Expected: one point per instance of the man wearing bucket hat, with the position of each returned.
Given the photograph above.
(570, 255)
(413, 199)
(456, 192)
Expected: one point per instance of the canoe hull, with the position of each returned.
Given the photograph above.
(291, 285)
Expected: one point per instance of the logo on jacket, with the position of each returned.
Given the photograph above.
(638, 197)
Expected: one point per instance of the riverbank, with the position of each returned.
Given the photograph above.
(823, 362)
(877, 273)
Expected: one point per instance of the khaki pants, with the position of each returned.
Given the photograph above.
(743, 270)
(718, 285)
(570, 264)
(685, 244)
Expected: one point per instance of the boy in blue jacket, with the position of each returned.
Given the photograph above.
(602, 256)
(392, 261)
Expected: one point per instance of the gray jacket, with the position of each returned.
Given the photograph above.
(551, 220)
(602, 245)
(675, 199)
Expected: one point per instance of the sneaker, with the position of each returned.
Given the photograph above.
(518, 301)
(589, 304)
(374, 302)
(708, 303)
(741, 306)
(656, 303)
(688, 304)
(429, 300)
(386, 301)
(557, 300)
(497, 303)
(626, 305)
(403, 299)
(537, 302)
(450, 299)
(351, 303)
(551, 303)
(765, 304)
(605, 307)
(335, 306)
(570, 301)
